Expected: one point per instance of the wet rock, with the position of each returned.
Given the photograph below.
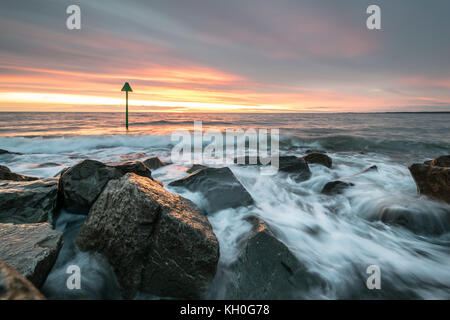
(81, 184)
(297, 167)
(195, 167)
(137, 167)
(418, 221)
(314, 151)
(154, 163)
(432, 180)
(45, 165)
(373, 168)
(133, 156)
(249, 160)
(319, 158)
(443, 161)
(30, 248)
(267, 269)
(13, 286)
(336, 187)
(219, 186)
(28, 201)
(156, 241)
(6, 174)
(2, 151)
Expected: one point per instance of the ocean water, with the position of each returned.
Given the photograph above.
(336, 236)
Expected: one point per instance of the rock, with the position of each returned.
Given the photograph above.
(219, 186)
(28, 201)
(195, 167)
(81, 184)
(371, 168)
(436, 222)
(432, 180)
(45, 165)
(137, 167)
(267, 269)
(6, 174)
(336, 187)
(314, 151)
(156, 241)
(30, 248)
(248, 160)
(2, 151)
(154, 163)
(298, 167)
(13, 286)
(319, 158)
(443, 161)
(133, 156)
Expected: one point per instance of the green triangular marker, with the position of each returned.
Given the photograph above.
(127, 88)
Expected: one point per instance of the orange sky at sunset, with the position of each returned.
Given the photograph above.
(268, 58)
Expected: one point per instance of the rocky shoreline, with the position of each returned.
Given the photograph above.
(160, 243)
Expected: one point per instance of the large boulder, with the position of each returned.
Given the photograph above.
(28, 201)
(6, 174)
(137, 167)
(318, 158)
(81, 184)
(13, 286)
(156, 241)
(433, 180)
(30, 248)
(154, 163)
(219, 186)
(267, 269)
(297, 167)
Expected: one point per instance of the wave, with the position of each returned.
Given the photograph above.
(334, 143)
(340, 143)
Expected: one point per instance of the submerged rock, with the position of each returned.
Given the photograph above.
(267, 269)
(2, 151)
(432, 180)
(46, 165)
(219, 186)
(336, 187)
(28, 201)
(196, 167)
(297, 167)
(6, 174)
(13, 286)
(156, 241)
(154, 163)
(319, 158)
(371, 168)
(30, 248)
(81, 184)
(435, 222)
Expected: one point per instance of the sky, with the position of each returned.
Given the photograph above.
(225, 56)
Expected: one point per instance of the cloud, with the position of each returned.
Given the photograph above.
(291, 55)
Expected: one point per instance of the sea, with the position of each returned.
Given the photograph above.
(338, 237)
